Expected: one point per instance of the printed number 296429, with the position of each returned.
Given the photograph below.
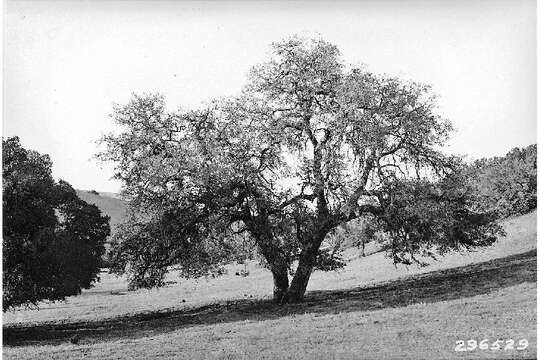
(485, 344)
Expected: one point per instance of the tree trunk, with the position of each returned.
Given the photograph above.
(303, 273)
(269, 248)
(299, 282)
(281, 282)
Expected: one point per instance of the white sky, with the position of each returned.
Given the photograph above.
(66, 62)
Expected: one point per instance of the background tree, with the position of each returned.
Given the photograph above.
(355, 234)
(506, 185)
(52, 240)
(306, 148)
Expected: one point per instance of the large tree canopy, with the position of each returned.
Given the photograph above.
(306, 147)
(52, 240)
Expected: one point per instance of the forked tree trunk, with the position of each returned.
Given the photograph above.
(280, 274)
(279, 269)
(279, 266)
(269, 249)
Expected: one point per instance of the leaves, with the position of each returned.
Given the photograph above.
(506, 185)
(307, 146)
(53, 241)
(423, 217)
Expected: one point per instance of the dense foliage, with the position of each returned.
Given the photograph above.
(307, 147)
(420, 217)
(506, 185)
(52, 240)
(428, 218)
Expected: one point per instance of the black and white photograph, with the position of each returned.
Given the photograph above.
(269, 179)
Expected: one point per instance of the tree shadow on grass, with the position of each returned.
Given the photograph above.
(466, 281)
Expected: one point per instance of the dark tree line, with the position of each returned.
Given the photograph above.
(52, 240)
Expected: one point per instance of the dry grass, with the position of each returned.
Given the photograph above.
(369, 310)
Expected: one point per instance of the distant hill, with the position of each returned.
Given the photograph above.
(109, 203)
(110, 194)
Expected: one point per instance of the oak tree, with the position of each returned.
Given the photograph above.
(52, 240)
(307, 146)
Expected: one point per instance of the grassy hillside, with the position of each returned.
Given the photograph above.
(370, 309)
(109, 203)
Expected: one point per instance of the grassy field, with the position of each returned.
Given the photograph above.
(369, 310)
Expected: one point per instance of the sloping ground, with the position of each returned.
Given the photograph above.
(417, 317)
(369, 310)
(110, 297)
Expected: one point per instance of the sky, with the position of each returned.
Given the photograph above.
(66, 62)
